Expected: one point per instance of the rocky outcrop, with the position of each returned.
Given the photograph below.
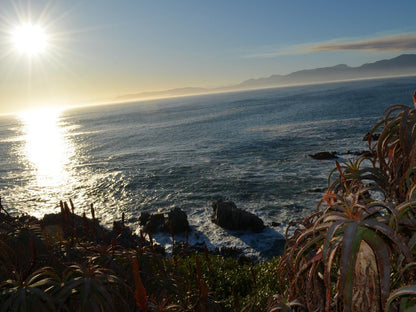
(154, 222)
(175, 221)
(336, 155)
(227, 215)
(324, 156)
(67, 224)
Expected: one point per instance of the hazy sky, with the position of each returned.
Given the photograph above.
(97, 49)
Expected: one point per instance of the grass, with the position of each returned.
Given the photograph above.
(355, 253)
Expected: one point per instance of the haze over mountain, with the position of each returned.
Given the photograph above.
(403, 65)
(164, 93)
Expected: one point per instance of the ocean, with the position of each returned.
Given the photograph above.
(250, 147)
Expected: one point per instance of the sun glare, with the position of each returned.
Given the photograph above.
(29, 39)
(46, 148)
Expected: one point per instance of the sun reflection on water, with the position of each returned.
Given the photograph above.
(47, 149)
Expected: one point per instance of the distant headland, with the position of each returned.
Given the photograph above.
(402, 65)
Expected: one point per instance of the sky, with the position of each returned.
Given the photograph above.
(97, 50)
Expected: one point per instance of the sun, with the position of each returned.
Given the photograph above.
(29, 39)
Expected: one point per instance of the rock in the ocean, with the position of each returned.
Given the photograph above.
(324, 155)
(177, 221)
(227, 215)
(144, 217)
(154, 223)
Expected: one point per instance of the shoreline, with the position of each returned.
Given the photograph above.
(88, 228)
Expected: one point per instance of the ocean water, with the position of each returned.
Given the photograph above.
(250, 147)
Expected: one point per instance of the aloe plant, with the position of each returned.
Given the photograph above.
(349, 254)
(31, 294)
(348, 244)
(90, 288)
(395, 150)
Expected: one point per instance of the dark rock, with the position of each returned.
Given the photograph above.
(360, 153)
(374, 136)
(67, 224)
(177, 221)
(324, 155)
(274, 224)
(155, 223)
(318, 190)
(144, 217)
(80, 226)
(124, 235)
(227, 215)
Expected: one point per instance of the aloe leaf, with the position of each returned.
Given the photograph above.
(403, 208)
(401, 292)
(410, 130)
(45, 297)
(382, 146)
(42, 283)
(407, 176)
(350, 245)
(387, 231)
(327, 273)
(5, 306)
(307, 246)
(403, 131)
(280, 307)
(334, 227)
(412, 241)
(408, 267)
(86, 288)
(382, 255)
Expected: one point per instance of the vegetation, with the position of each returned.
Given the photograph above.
(69, 263)
(355, 253)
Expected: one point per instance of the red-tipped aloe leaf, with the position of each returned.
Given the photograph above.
(140, 293)
(350, 246)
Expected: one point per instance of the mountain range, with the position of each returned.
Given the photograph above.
(403, 65)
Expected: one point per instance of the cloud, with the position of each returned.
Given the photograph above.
(392, 43)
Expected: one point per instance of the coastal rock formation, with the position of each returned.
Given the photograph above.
(175, 221)
(336, 155)
(227, 215)
(68, 224)
(324, 155)
(154, 223)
